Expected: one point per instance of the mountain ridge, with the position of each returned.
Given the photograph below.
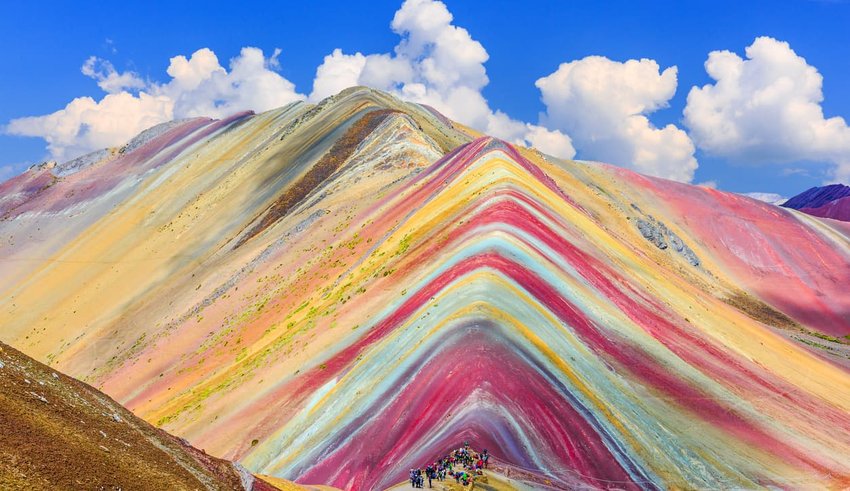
(832, 201)
(585, 323)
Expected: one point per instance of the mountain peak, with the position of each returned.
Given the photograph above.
(340, 292)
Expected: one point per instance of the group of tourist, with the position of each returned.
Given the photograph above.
(462, 464)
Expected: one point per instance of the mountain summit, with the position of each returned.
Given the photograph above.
(337, 293)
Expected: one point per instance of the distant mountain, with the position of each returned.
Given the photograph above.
(832, 201)
(336, 293)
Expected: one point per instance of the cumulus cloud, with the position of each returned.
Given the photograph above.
(603, 106)
(338, 71)
(85, 125)
(109, 79)
(436, 63)
(766, 109)
(599, 104)
(772, 198)
(548, 141)
(198, 86)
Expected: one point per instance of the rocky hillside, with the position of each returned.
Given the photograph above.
(59, 433)
(336, 293)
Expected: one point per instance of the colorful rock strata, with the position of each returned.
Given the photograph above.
(334, 293)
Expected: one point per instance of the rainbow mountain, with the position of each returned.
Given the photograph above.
(336, 293)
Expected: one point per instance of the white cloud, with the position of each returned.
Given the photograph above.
(199, 86)
(761, 108)
(766, 109)
(436, 63)
(602, 104)
(85, 125)
(338, 71)
(108, 78)
(552, 142)
(772, 198)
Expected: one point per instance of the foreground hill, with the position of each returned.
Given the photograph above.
(337, 293)
(58, 433)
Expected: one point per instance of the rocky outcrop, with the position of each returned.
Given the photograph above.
(662, 237)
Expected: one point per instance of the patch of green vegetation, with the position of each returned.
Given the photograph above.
(404, 244)
(355, 240)
(139, 342)
(827, 337)
(814, 344)
(214, 339)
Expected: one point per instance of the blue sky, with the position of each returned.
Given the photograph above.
(47, 43)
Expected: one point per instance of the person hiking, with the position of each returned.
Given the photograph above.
(463, 464)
